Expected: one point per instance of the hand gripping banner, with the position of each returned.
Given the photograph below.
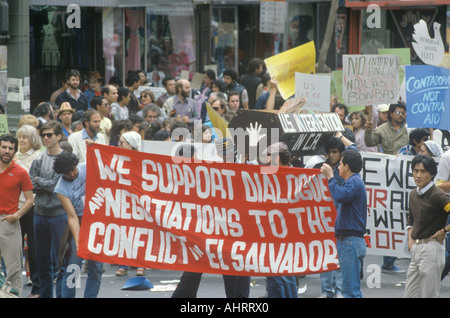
(161, 212)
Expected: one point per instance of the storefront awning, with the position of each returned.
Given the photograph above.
(109, 3)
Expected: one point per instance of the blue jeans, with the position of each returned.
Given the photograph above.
(48, 231)
(331, 283)
(281, 287)
(70, 274)
(388, 262)
(351, 252)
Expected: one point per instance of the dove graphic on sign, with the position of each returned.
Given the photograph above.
(430, 51)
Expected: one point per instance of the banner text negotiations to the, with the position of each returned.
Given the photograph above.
(155, 211)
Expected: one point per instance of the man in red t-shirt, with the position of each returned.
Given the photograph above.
(13, 180)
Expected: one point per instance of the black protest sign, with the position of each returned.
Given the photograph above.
(304, 134)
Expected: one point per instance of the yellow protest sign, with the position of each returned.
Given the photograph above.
(283, 66)
(218, 122)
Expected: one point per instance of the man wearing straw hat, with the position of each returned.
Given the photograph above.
(65, 113)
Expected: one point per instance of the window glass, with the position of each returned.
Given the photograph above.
(134, 39)
(300, 24)
(55, 48)
(171, 43)
(224, 38)
(112, 42)
(373, 39)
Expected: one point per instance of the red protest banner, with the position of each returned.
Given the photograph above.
(154, 211)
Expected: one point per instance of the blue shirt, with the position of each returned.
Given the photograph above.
(75, 190)
(84, 135)
(352, 212)
(66, 133)
(407, 150)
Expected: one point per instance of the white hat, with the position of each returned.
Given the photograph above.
(383, 108)
(434, 148)
(134, 139)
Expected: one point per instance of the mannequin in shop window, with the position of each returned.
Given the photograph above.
(299, 27)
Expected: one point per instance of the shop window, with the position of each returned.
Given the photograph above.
(373, 39)
(52, 43)
(171, 43)
(55, 48)
(112, 42)
(134, 39)
(300, 24)
(224, 29)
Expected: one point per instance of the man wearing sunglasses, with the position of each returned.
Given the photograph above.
(50, 217)
(392, 135)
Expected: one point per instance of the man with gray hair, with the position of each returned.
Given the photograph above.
(152, 112)
(212, 97)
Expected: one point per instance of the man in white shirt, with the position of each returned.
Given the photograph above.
(90, 134)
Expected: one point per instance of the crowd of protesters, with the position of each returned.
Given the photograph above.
(58, 131)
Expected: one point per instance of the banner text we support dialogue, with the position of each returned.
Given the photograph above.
(155, 211)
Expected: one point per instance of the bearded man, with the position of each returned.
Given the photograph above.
(13, 180)
(181, 106)
(73, 94)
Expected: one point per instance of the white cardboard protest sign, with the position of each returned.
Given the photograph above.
(315, 89)
(429, 50)
(370, 79)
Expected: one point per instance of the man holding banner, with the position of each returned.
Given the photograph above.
(278, 154)
(70, 190)
(235, 286)
(350, 226)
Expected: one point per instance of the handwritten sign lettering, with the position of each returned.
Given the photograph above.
(427, 95)
(370, 79)
(315, 89)
(283, 66)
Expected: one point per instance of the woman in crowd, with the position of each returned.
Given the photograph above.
(29, 147)
(358, 120)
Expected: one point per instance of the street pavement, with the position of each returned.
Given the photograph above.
(374, 283)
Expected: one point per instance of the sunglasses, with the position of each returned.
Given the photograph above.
(398, 112)
(48, 135)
